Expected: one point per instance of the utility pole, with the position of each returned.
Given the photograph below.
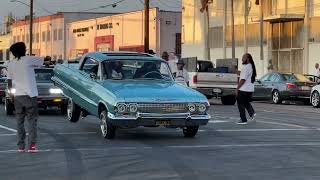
(245, 27)
(205, 10)
(146, 25)
(31, 27)
(224, 44)
(232, 31)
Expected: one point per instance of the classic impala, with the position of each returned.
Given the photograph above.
(128, 90)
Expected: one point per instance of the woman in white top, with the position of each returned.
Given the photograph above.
(245, 88)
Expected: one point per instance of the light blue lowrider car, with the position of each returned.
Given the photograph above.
(128, 90)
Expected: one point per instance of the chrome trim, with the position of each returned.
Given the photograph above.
(185, 116)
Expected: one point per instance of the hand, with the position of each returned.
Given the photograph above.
(236, 92)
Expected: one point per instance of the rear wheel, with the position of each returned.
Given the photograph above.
(73, 111)
(315, 99)
(8, 107)
(276, 99)
(228, 100)
(108, 131)
(190, 131)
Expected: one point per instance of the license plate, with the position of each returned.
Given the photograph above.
(305, 88)
(163, 123)
(216, 91)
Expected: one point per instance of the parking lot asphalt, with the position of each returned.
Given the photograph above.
(283, 144)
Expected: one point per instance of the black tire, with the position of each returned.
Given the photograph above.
(228, 100)
(276, 98)
(8, 107)
(315, 99)
(73, 111)
(108, 131)
(190, 131)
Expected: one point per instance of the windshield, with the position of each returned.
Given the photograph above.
(43, 75)
(136, 69)
(295, 77)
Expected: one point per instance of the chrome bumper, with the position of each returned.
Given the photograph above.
(150, 119)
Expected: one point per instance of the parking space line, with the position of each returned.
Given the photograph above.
(283, 124)
(7, 128)
(264, 130)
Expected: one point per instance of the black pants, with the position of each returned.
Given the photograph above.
(243, 100)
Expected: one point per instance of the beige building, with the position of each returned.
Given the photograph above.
(49, 32)
(5, 43)
(291, 32)
(125, 32)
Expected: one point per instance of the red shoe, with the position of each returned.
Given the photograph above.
(32, 148)
(21, 149)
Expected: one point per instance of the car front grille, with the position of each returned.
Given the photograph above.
(163, 108)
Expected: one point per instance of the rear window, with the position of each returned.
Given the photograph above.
(43, 75)
(295, 77)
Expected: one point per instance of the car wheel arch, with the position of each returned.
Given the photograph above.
(101, 107)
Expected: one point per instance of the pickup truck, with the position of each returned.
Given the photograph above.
(214, 82)
(128, 90)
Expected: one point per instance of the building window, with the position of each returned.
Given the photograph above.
(60, 35)
(178, 43)
(37, 37)
(48, 36)
(43, 36)
(55, 35)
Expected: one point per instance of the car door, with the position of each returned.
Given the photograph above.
(261, 88)
(89, 72)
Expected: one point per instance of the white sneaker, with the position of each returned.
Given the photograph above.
(253, 118)
(242, 123)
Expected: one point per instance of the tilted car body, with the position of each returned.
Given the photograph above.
(141, 93)
(283, 86)
(49, 95)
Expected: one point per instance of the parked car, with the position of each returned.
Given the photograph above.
(49, 95)
(3, 82)
(283, 86)
(128, 90)
(313, 78)
(315, 96)
(220, 81)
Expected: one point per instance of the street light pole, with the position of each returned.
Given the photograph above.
(31, 27)
(146, 25)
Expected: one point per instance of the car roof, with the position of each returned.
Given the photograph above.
(103, 56)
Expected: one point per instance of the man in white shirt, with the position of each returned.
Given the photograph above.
(182, 73)
(21, 74)
(317, 70)
(245, 88)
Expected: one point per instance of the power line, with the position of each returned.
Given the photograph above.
(104, 6)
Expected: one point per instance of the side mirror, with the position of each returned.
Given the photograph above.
(93, 76)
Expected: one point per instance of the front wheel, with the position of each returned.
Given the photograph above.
(228, 100)
(190, 131)
(73, 111)
(276, 99)
(108, 131)
(315, 99)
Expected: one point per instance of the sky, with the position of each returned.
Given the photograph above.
(45, 7)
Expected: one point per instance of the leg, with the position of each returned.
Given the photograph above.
(241, 106)
(32, 117)
(20, 116)
(248, 105)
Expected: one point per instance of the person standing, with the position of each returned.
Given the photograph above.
(182, 73)
(21, 74)
(245, 88)
(317, 70)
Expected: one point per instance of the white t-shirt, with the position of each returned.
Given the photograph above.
(21, 72)
(246, 74)
(116, 75)
(183, 74)
(317, 73)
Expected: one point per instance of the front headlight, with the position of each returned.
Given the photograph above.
(12, 91)
(133, 108)
(192, 108)
(202, 108)
(121, 108)
(55, 91)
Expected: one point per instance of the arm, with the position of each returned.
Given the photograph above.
(36, 62)
(241, 83)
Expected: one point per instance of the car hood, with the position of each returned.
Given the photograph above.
(152, 91)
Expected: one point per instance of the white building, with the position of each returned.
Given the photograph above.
(125, 32)
(291, 39)
(49, 32)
